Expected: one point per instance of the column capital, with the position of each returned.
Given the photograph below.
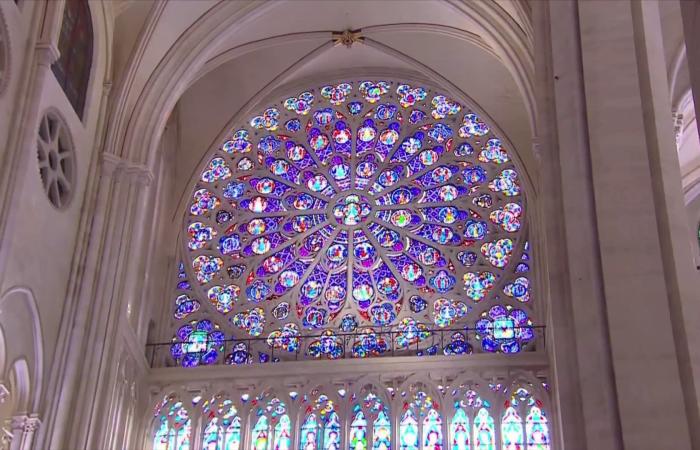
(123, 170)
(32, 424)
(47, 53)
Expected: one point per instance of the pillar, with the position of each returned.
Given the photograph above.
(22, 429)
(690, 12)
(629, 294)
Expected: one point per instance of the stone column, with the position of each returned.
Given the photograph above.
(622, 265)
(22, 429)
(16, 431)
(31, 425)
(578, 343)
(690, 11)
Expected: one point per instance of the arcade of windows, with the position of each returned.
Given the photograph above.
(416, 415)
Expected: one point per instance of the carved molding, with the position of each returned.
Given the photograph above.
(677, 128)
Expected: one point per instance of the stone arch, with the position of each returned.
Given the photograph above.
(154, 105)
(19, 318)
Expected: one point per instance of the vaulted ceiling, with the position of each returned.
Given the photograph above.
(250, 53)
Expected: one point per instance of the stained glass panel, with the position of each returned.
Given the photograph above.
(459, 430)
(331, 432)
(175, 428)
(309, 433)
(261, 435)
(408, 435)
(432, 431)
(232, 435)
(512, 430)
(283, 433)
(211, 436)
(484, 431)
(358, 431)
(382, 432)
(537, 430)
(162, 438)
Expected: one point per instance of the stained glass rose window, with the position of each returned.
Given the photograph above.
(356, 207)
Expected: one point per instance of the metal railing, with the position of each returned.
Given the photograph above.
(257, 350)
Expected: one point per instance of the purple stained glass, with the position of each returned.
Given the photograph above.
(352, 205)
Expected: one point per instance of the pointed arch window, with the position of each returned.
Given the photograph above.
(72, 69)
(537, 430)
(223, 429)
(381, 432)
(459, 430)
(535, 433)
(331, 432)
(511, 430)
(369, 414)
(261, 435)
(272, 428)
(309, 433)
(432, 431)
(283, 433)
(408, 435)
(174, 426)
(220, 436)
(484, 431)
(358, 430)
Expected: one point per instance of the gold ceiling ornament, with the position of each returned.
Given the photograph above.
(347, 37)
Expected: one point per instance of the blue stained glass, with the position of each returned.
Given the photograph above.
(381, 432)
(358, 431)
(432, 431)
(309, 434)
(355, 108)
(537, 430)
(484, 431)
(331, 432)
(459, 429)
(283, 433)
(261, 435)
(408, 431)
(512, 430)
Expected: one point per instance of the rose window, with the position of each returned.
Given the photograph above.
(357, 208)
